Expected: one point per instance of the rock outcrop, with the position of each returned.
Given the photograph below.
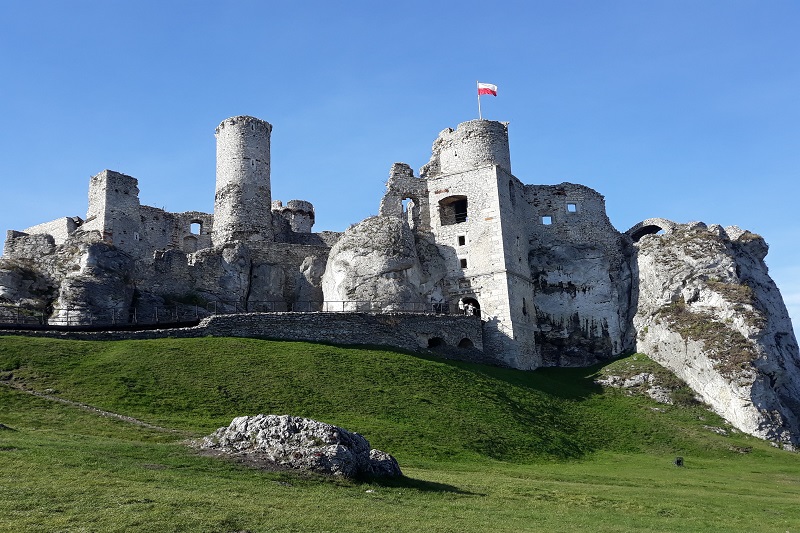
(303, 444)
(708, 310)
(376, 265)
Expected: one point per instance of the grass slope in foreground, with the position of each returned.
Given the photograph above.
(483, 448)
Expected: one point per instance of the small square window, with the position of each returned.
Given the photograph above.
(547, 220)
(462, 240)
(572, 208)
(463, 263)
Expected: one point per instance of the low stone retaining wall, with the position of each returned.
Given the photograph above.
(449, 335)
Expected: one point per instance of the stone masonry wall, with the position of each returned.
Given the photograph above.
(473, 144)
(580, 276)
(405, 331)
(243, 197)
(114, 210)
(60, 228)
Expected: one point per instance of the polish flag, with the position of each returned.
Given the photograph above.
(487, 88)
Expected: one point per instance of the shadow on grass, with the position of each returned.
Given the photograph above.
(561, 382)
(418, 484)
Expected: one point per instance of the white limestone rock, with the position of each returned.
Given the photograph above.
(375, 265)
(102, 284)
(708, 310)
(301, 443)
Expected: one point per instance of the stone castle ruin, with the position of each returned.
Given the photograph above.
(553, 282)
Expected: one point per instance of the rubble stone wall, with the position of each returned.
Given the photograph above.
(60, 228)
(414, 332)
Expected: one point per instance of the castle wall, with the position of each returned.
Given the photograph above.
(474, 247)
(114, 211)
(164, 230)
(60, 228)
(298, 213)
(404, 331)
(20, 245)
(243, 198)
(473, 144)
(580, 279)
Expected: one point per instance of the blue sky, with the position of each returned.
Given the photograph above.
(687, 110)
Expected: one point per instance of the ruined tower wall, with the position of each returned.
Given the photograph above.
(243, 198)
(474, 249)
(60, 228)
(298, 213)
(473, 144)
(166, 231)
(114, 210)
(580, 278)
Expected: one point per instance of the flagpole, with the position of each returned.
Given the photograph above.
(480, 116)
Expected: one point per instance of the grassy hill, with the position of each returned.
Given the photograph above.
(483, 448)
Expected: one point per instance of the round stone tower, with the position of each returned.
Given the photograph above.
(473, 144)
(243, 199)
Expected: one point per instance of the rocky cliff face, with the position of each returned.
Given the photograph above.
(581, 303)
(708, 310)
(86, 281)
(71, 282)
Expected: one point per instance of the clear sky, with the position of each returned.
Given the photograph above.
(682, 109)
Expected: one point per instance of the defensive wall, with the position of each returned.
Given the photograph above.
(453, 336)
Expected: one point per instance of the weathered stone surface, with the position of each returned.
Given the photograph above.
(303, 444)
(708, 310)
(644, 380)
(102, 284)
(375, 265)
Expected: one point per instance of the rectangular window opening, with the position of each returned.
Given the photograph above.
(463, 262)
(547, 220)
(572, 208)
(462, 240)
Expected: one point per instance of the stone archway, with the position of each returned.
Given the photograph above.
(650, 226)
(470, 306)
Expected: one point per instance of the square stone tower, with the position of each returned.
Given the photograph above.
(114, 210)
(478, 224)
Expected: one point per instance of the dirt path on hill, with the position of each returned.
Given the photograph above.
(86, 407)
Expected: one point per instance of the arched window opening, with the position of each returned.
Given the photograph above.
(196, 228)
(512, 193)
(465, 343)
(453, 210)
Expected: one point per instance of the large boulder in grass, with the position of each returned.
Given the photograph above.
(303, 444)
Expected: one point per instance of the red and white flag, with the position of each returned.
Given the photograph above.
(487, 88)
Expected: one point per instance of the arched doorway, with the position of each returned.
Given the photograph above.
(470, 306)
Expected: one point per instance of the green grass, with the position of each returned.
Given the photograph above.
(482, 448)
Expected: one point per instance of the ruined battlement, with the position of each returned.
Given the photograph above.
(471, 145)
(298, 213)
